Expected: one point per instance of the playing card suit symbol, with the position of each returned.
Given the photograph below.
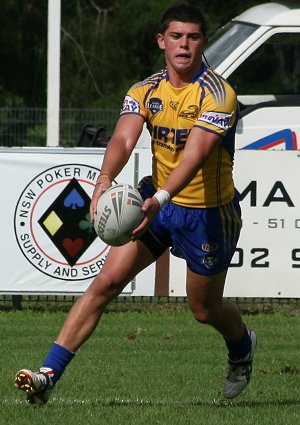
(74, 200)
(72, 247)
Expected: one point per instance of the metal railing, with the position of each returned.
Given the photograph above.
(21, 127)
(125, 303)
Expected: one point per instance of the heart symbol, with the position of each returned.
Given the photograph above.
(73, 247)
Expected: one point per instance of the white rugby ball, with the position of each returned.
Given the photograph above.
(118, 213)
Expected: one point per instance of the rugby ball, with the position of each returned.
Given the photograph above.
(118, 213)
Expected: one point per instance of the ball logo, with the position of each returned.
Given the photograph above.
(52, 223)
(103, 220)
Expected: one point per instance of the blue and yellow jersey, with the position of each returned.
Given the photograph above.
(209, 103)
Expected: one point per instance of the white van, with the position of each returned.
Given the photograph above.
(258, 52)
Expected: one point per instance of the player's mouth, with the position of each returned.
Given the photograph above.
(183, 57)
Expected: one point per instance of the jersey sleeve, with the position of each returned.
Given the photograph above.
(134, 102)
(218, 112)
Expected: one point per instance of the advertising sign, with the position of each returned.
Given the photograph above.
(50, 247)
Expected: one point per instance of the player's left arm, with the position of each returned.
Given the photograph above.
(198, 147)
(213, 123)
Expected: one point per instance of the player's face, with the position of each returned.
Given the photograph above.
(183, 44)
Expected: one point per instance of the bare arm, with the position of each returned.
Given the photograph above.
(198, 147)
(118, 151)
(122, 143)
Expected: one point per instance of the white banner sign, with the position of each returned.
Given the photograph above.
(267, 260)
(49, 246)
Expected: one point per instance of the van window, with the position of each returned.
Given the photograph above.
(226, 40)
(273, 68)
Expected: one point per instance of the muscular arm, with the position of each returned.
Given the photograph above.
(198, 147)
(122, 143)
(118, 151)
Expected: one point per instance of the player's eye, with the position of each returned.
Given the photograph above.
(195, 37)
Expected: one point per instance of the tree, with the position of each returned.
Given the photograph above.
(106, 46)
(23, 48)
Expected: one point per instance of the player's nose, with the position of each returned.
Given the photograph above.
(184, 41)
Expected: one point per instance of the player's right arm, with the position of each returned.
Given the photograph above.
(127, 132)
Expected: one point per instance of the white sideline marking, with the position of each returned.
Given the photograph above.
(117, 402)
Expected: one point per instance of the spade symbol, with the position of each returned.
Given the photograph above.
(74, 200)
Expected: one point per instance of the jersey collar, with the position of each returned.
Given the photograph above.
(195, 77)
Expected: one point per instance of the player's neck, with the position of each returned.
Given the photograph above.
(181, 79)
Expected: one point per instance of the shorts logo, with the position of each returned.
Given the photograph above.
(52, 223)
(209, 261)
(217, 119)
(155, 105)
(130, 105)
(190, 113)
(209, 246)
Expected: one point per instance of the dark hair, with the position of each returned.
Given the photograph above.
(182, 12)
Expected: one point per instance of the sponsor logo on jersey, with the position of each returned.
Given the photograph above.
(174, 105)
(167, 135)
(190, 113)
(218, 119)
(155, 105)
(130, 105)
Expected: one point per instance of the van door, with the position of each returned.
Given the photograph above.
(268, 88)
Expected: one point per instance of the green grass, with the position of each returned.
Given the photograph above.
(155, 367)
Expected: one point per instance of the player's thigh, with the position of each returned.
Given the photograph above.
(123, 263)
(205, 292)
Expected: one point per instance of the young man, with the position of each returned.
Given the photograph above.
(190, 202)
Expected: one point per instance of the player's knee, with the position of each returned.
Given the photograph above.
(204, 315)
(104, 288)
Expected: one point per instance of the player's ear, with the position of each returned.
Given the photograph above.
(160, 41)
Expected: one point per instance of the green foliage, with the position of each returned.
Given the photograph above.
(107, 49)
(37, 134)
(106, 46)
(23, 52)
(152, 367)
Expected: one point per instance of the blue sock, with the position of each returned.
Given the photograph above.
(239, 349)
(57, 359)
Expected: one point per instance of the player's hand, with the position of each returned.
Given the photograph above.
(103, 183)
(150, 207)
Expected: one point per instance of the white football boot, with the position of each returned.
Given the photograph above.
(238, 372)
(37, 385)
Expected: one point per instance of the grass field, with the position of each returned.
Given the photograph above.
(154, 366)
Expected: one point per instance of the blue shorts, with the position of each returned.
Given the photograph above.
(205, 237)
